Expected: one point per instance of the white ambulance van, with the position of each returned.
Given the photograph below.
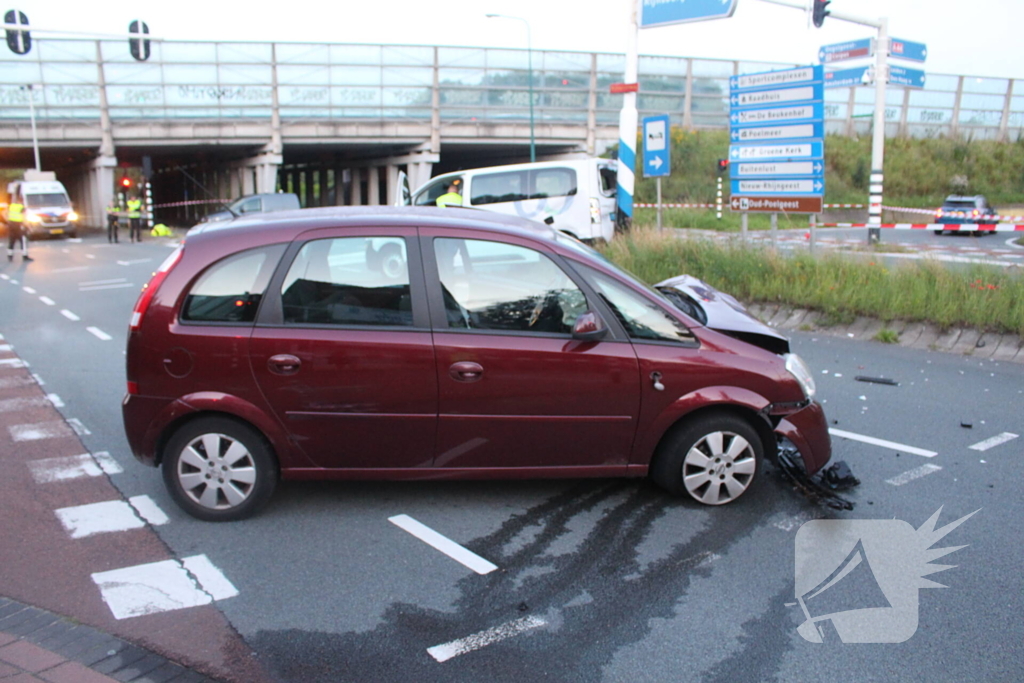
(576, 197)
(48, 209)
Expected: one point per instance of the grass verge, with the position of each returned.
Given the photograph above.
(981, 297)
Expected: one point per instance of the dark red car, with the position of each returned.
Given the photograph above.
(425, 343)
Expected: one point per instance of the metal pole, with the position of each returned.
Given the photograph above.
(814, 229)
(743, 226)
(32, 117)
(878, 134)
(775, 229)
(718, 200)
(658, 185)
(529, 64)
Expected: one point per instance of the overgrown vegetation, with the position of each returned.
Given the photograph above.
(842, 288)
(918, 173)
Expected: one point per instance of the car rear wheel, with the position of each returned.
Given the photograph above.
(939, 232)
(714, 459)
(219, 470)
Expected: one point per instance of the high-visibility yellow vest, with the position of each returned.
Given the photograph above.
(16, 212)
(450, 199)
(134, 208)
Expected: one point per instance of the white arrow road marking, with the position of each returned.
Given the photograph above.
(882, 442)
(997, 440)
(446, 651)
(447, 546)
(911, 475)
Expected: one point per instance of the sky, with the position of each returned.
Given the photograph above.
(976, 38)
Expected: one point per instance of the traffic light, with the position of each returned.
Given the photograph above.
(126, 183)
(139, 46)
(20, 42)
(819, 12)
(723, 165)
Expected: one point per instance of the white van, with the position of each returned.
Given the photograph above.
(48, 209)
(575, 197)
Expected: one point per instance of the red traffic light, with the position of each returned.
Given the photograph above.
(126, 182)
(723, 165)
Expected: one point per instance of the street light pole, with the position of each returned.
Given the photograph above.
(32, 118)
(529, 63)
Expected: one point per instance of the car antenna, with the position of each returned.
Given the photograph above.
(203, 188)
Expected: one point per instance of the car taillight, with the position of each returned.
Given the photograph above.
(975, 213)
(133, 388)
(146, 297)
(595, 210)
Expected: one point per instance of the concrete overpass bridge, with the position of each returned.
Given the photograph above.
(336, 122)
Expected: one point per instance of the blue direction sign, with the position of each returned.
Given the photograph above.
(794, 151)
(778, 169)
(761, 98)
(664, 12)
(907, 49)
(797, 131)
(913, 78)
(800, 113)
(845, 78)
(851, 49)
(772, 187)
(656, 147)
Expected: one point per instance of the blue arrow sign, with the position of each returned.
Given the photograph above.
(802, 94)
(765, 80)
(664, 12)
(907, 49)
(772, 188)
(845, 78)
(851, 49)
(799, 113)
(656, 147)
(913, 78)
(778, 169)
(797, 131)
(794, 151)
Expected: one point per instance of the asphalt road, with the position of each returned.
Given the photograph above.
(606, 580)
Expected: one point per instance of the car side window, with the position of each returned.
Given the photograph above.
(250, 206)
(230, 290)
(349, 281)
(642, 318)
(497, 286)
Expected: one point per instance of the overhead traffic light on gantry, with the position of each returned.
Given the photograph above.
(819, 12)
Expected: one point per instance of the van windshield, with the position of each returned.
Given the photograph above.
(46, 199)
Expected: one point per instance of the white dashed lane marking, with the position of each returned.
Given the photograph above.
(11, 363)
(40, 430)
(446, 651)
(109, 516)
(447, 546)
(28, 290)
(163, 586)
(98, 333)
(11, 405)
(902, 448)
(997, 440)
(73, 467)
(47, 300)
(911, 475)
(69, 315)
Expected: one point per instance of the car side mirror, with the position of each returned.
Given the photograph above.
(550, 220)
(589, 327)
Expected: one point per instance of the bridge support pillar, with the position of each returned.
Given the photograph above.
(259, 173)
(91, 186)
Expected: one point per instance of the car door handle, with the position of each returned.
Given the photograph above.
(284, 364)
(466, 371)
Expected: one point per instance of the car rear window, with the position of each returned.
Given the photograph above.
(230, 290)
(349, 281)
(958, 206)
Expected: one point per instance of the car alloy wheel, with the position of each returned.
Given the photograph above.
(218, 469)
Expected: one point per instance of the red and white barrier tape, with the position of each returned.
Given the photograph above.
(970, 227)
(676, 206)
(192, 203)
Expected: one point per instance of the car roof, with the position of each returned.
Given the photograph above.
(964, 198)
(282, 226)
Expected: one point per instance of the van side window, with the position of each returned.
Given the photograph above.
(230, 290)
(496, 286)
(429, 195)
(609, 181)
(349, 281)
(516, 186)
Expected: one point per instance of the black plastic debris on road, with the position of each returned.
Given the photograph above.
(877, 380)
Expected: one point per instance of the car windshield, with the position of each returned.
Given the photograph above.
(46, 199)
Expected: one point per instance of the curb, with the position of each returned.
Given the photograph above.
(42, 646)
(916, 335)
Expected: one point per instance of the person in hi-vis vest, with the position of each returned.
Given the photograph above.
(113, 220)
(16, 229)
(452, 196)
(134, 219)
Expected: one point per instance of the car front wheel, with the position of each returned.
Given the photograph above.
(219, 470)
(713, 459)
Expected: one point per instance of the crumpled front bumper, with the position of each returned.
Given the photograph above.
(807, 429)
